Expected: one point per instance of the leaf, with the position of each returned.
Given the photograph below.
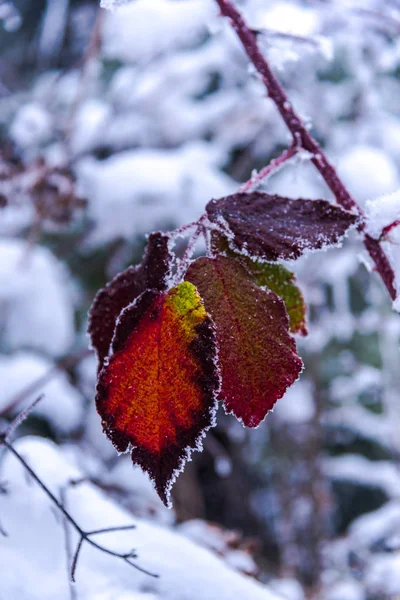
(283, 282)
(272, 276)
(157, 395)
(152, 273)
(273, 227)
(257, 356)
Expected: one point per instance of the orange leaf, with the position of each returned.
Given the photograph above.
(157, 393)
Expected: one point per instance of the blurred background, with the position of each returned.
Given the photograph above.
(117, 123)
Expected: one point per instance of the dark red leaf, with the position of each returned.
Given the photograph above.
(269, 275)
(151, 273)
(273, 227)
(257, 355)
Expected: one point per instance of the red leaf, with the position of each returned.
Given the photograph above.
(280, 280)
(152, 272)
(273, 276)
(157, 395)
(257, 355)
(273, 228)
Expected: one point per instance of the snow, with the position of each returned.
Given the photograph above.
(113, 4)
(365, 378)
(346, 590)
(127, 34)
(36, 301)
(288, 589)
(10, 17)
(32, 126)
(62, 404)
(373, 527)
(223, 543)
(287, 17)
(384, 576)
(297, 405)
(359, 470)
(362, 422)
(138, 191)
(368, 172)
(186, 571)
(91, 118)
(382, 211)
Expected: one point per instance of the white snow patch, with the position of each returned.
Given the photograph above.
(297, 405)
(368, 172)
(381, 212)
(137, 191)
(142, 30)
(113, 4)
(62, 405)
(359, 470)
(32, 126)
(186, 571)
(35, 299)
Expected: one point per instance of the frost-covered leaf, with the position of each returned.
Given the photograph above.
(157, 393)
(257, 355)
(283, 282)
(273, 227)
(151, 273)
(272, 276)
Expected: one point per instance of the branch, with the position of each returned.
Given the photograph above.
(84, 536)
(303, 139)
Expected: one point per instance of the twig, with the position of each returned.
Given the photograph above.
(273, 167)
(388, 229)
(90, 55)
(3, 490)
(84, 536)
(21, 417)
(390, 22)
(303, 139)
(3, 532)
(273, 33)
(68, 545)
(185, 260)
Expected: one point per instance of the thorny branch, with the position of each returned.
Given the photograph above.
(84, 536)
(304, 140)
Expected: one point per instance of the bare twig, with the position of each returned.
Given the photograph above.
(302, 138)
(386, 230)
(3, 532)
(185, 260)
(90, 56)
(3, 490)
(68, 545)
(21, 417)
(84, 536)
(283, 35)
(273, 167)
